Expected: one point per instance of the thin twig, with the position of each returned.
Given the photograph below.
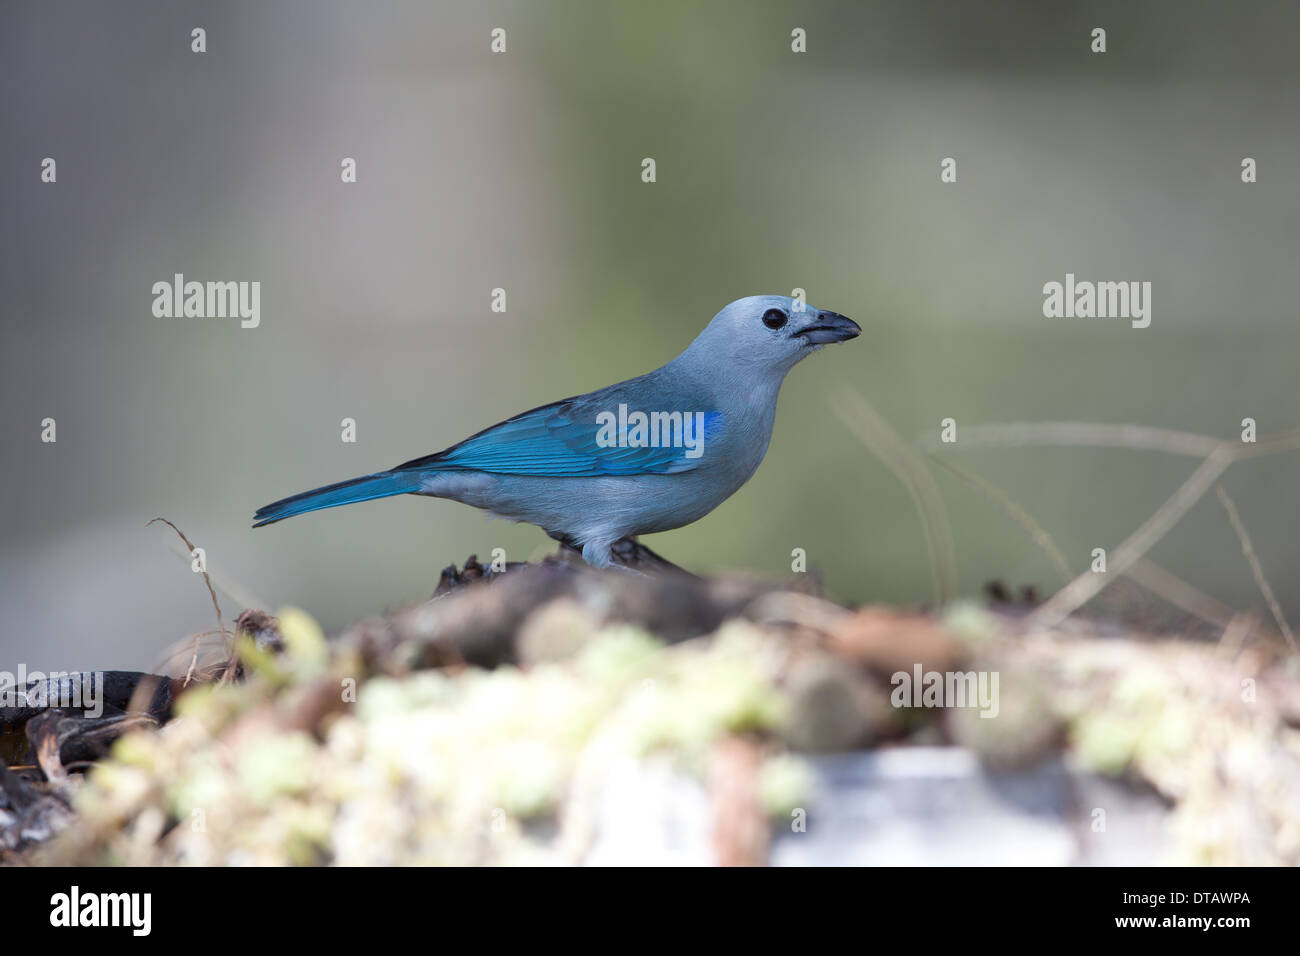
(1179, 593)
(1217, 455)
(1100, 435)
(1087, 585)
(235, 591)
(1077, 434)
(1234, 635)
(1017, 514)
(1144, 572)
(178, 648)
(215, 606)
(874, 432)
(1255, 567)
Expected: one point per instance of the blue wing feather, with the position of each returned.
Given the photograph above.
(554, 441)
(560, 440)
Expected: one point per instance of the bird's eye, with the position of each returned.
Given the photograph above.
(774, 318)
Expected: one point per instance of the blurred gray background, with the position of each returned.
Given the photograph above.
(522, 170)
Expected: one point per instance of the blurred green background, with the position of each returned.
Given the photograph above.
(522, 170)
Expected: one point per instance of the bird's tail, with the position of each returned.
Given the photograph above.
(382, 485)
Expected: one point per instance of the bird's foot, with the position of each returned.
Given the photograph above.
(630, 554)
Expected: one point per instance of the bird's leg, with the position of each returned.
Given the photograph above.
(625, 554)
(598, 554)
(570, 551)
(601, 554)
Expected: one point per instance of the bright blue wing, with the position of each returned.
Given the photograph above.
(566, 440)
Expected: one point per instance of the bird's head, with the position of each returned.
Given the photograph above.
(772, 332)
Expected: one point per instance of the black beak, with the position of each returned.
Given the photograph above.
(830, 327)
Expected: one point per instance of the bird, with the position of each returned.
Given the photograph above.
(650, 454)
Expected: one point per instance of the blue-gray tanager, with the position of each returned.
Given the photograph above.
(650, 454)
